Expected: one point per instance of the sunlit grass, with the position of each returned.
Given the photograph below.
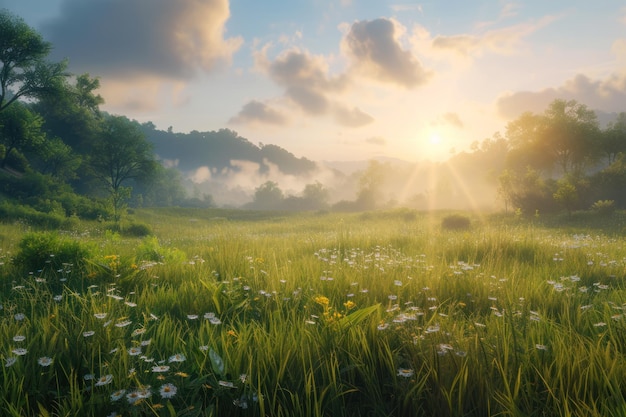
(316, 315)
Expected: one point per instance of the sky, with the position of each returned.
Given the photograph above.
(341, 80)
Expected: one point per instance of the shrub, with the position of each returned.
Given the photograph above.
(455, 222)
(603, 207)
(48, 251)
(137, 230)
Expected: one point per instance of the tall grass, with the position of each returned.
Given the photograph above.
(384, 314)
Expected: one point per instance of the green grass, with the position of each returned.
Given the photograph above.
(381, 314)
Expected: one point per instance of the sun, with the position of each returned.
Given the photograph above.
(434, 139)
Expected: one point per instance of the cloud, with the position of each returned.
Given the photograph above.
(608, 95)
(126, 39)
(376, 140)
(308, 84)
(305, 79)
(453, 119)
(375, 51)
(351, 117)
(504, 41)
(255, 111)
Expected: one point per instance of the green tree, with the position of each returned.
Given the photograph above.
(315, 196)
(73, 113)
(20, 130)
(565, 136)
(24, 72)
(370, 193)
(566, 195)
(268, 196)
(121, 153)
(613, 139)
(570, 135)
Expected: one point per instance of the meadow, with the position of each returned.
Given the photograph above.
(227, 313)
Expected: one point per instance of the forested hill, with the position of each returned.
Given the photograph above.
(216, 149)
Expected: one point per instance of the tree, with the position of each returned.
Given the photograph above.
(20, 130)
(73, 113)
(571, 135)
(268, 196)
(315, 196)
(121, 153)
(614, 138)
(565, 136)
(24, 71)
(370, 193)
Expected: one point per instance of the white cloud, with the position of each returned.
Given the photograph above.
(376, 52)
(608, 95)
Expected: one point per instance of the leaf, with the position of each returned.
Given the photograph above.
(358, 316)
(216, 362)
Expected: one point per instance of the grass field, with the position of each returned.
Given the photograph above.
(231, 313)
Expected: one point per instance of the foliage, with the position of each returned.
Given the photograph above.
(47, 253)
(136, 230)
(455, 222)
(120, 153)
(25, 73)
(20, 130)
(603, 207)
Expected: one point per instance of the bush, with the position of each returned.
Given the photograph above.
(137, 230)
(455, 222)
(603, 207)
(50, 252)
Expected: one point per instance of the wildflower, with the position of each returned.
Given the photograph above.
(104, 380)
(88, 333)
(118, 394)
(133, 397)
(138, 331)
(541, 347)
(57, 298)
(167, 390)
(382, 326)
(599, 324)
(89, 377)
(19, 338)
(320, 299)
(130, 304)
(433, 329)
(44, 361)
(134, 351)
(192, 316)
(160, 368)
(226, 384)
(204, 348)
(19, 317)
(145, 342)
(123, 323)
(349, 305)
(397, 283)
(215, 321)
(243, 378)
(179, 357)
(182, 374)
(20, 351)
(9, 361)
(405, 373)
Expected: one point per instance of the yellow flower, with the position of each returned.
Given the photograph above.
(349, 305)
(232, 333)
(320, 299)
